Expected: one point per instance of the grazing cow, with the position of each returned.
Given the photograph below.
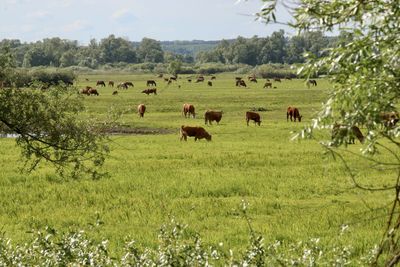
(200, 79)
(101, 83)
(197, 132)
(188, 109)
(122, 86)
(340, 131)
(150, 91)
(115, 93)
(189, 80)
(129, 84)
(254, 116)
(151, 83)
(93, 91)
(267, 84)
(277, 80)
(209, 83)
(293, 112)
(240, 83)
(212, 115)
(111, 83)
(253, 80)
(311, 82)
(141, 109)
(389, 119)
(213, 78)
(85, 91)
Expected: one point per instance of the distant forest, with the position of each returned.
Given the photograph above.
(277, 48)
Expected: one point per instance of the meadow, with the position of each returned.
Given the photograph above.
(294, 191)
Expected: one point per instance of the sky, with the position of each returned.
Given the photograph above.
(164, 20)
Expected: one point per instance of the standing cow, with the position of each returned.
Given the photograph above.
(188, 109)
(101, 83)
(212, 115)
(197, 132)
(347, 133)
(268, 84)
(254, 116)
(151, 83)
(141, 109)
(293, 112)
(111, 83)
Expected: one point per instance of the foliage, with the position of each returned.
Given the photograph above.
(178, 246)
(49, 129)
(365, 70)
(277, 48)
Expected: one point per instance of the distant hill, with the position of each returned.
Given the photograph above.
(189, 47)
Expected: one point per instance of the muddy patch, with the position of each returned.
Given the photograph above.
(121, 130)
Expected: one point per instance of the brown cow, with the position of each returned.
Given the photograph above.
(212, 115)
(166, 79)
(150, 91)
(85, 91)
(122, 86)
(172, 78)
(267, 84)
(151, 83)
(115, 93)
(253, 80)
(111, 83)
(277, 80)
(389, 119)
(251, 77)
(340, 132)
(240, 83)
(213, 78)
(92, 91)
(101, 83)
(160, 75)
(254, 116)
(188, 109)
(209, 83)
(293, 112)
(197, 132)
(200, 79)
(141, 109)
(129, 84)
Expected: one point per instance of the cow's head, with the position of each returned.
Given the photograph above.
(259, 122)
(301, 116)
(208, 137)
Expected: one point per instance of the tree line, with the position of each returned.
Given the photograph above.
(277, 48)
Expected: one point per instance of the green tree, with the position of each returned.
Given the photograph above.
(365, 73)
(48, 126)
(174, 67)
(150, 50)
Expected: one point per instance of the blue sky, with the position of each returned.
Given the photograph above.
(31, 20)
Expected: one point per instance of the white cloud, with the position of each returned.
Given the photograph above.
(123, 16)
(77, 25)
(39, 15)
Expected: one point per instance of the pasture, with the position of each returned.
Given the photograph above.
(294, 192)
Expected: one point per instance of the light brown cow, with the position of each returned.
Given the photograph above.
(141, 109)
(293, 112)
(254, 116)
(267, 84)
(101, 83)
(92, 91)
(212, 115)
(111, 83)
(342, 132)
(188, 109)
(197, 132)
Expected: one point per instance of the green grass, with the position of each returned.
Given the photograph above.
(295, 193)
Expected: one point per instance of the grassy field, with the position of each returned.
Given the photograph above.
(294, 191)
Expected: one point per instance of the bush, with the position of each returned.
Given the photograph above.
(274, 71)
(24, 78)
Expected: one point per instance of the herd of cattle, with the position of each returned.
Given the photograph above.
(389, 119)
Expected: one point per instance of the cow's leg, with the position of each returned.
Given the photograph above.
(247, 120)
